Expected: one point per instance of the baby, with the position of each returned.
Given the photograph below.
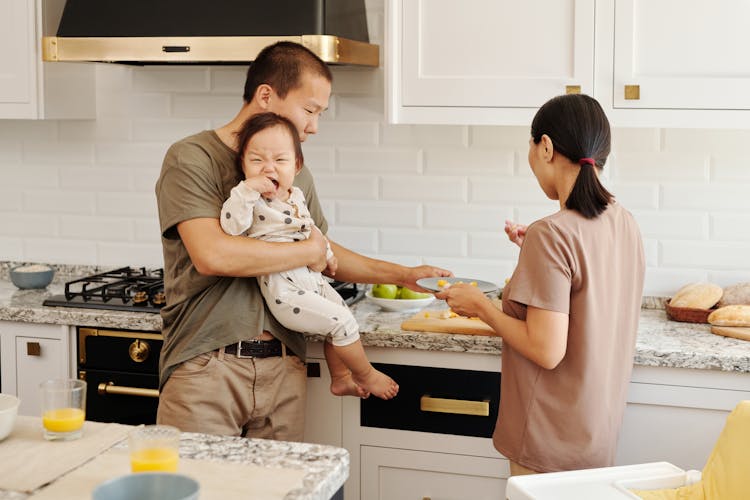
(267, 206)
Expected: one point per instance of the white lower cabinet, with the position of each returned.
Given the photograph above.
(323, 412)
(396, 474)
(32, 353)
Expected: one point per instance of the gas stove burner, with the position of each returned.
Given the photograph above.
(126, 289)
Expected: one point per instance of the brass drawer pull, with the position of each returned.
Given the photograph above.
(456, 406)
(33, 349)
(572, 89)
(111, 388)
(632, 92)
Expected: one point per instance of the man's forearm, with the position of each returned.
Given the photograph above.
(357, 268)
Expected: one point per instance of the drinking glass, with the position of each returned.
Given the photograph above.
(154, 448)
(63, 408)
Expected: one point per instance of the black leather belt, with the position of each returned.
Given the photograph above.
(256, 349)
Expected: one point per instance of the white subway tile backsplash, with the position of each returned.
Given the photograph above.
(660, 167)
(171, 79)
(361, 240)
(665, 281)
(705, 255)
(706, 196)
(167, 130)
(359, 108)
(136, 105)
(132, 204)
(12, 249)
(98, 227)
(423, 135)
(509, 138)
(636, 139)
(510, 190)
(466, 217)
(347, 187)
(423, 242)
(354, 81)
(61, 251)
(636, 195)
(670, 225)
(95, 179)
(332, 133)
(74, 153)
(651, 252)
(379, 161)
(24, 130)
(423, 188)
(319, 159)
(229, 80)
(130, 154)
(726, 278)
(730, 227)
(730, 168)
(486, 162)
(10, 152)
(30, 176)
(379, 214)
(10, 201)
(492, 246)
(125, 254)
(206, 106)
(147, 231)
(144, 179)
(26, 224)
(58, 202)
(705, 140)
(101, 129)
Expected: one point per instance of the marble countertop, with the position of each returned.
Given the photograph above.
(661, 342)
(326, 467)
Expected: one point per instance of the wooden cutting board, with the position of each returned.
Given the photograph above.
(430, 321)
(737, 332)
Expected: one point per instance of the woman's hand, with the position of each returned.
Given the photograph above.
(465, 299)
(516, 232)
(317, 241)
(333, 264)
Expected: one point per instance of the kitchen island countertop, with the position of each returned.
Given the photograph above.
(661, 342)
(326, 467)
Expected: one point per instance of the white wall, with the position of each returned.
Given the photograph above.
(81, 192)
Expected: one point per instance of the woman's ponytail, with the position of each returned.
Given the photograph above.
(588, 195)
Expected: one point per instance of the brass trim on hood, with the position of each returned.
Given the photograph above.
(206, 50)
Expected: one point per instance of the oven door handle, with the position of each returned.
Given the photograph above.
(455, 406)
(111, 388)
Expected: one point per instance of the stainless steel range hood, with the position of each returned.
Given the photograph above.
(215, 32)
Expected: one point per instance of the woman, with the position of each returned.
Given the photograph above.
(570, 311)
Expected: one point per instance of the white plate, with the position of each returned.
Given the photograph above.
(400, 305)
(432, 284)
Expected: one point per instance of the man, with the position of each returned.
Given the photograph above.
(227, 366)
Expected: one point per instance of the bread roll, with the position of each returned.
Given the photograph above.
(736, 294)
(697, 296)
(736, 315)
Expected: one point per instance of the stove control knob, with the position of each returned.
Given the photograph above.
(139, 351)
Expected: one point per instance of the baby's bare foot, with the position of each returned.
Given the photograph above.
(345, 386)
(377, 383)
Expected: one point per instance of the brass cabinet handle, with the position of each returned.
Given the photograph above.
(111, 388)
(632, 92)
(456, 406)
(572, 89)
(33, 349)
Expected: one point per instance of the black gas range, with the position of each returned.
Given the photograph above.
(123, 289)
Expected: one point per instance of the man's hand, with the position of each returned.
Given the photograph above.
(319, 249)
(415, 273)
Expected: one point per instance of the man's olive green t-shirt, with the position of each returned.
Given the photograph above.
(204, 313)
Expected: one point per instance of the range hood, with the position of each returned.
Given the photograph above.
(208, 32)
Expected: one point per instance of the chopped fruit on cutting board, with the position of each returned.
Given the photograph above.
(446, 321)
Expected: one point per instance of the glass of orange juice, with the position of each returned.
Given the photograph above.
(154, 448)
(63, 408)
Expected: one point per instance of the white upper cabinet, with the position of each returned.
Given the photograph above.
(485, 61)
(654, 63)
(30, 88)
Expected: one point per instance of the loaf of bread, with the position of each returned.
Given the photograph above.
(736, 315)
(697, 296)
(736, 294)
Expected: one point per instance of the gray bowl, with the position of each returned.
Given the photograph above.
(148, 486)
(31, 276)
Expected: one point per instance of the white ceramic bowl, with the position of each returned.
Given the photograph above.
(400, 305)
(8, 411)
(31, 276)
(148, 486)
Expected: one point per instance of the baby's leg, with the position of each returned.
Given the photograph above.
(342, 383)
(363, 373)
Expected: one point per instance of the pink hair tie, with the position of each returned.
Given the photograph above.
(584, 161)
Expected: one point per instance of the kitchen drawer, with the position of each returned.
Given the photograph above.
(396, 474)
(439, 400)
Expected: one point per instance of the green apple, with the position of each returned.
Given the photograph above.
(384, 291)
(407, 294)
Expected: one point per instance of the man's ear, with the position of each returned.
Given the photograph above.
(263, 95)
